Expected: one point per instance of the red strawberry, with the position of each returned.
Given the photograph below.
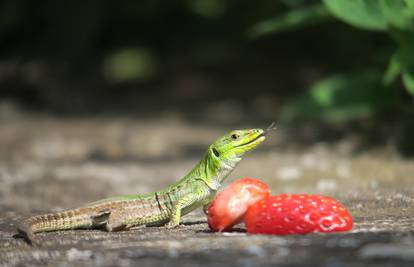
(297, 214)
(230, 205)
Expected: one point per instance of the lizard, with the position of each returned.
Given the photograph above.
(163, 207)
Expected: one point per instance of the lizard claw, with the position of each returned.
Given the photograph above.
(172, 225)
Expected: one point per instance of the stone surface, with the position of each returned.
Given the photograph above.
(49, 164)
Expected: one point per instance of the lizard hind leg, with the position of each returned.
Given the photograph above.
(109, 220)
(115, 222)
(101, 218)
(26, 231)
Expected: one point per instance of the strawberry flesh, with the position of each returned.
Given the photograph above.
(297, 214)
(230, 205)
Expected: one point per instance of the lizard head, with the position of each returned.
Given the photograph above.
(234, 144)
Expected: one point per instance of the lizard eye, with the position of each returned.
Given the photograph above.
(234, 136)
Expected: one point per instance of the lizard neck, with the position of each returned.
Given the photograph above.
(214, 170)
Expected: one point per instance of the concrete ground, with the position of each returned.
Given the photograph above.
(49, 164)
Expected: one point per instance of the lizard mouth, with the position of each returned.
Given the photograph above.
(261, 137)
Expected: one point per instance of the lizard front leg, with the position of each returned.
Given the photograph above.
(198, 196)
(207, 203)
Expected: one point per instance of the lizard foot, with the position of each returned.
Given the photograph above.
(172, 225)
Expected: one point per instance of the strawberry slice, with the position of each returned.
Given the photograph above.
(230, 205)
(297, 214)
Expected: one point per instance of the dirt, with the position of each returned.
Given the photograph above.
(49, 163)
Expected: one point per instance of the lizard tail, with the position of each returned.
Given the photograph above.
(65, 220)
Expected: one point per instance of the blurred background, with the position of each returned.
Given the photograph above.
(101, 98)
(157, 81)
(341, 66)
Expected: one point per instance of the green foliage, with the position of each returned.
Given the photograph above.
(402, 62)
(209, 9)
(397, 14)
(296, 18)
(394, 16)
(393, 70)
(408, 78)
(342, 96)
(347, 95)
(372, 14)
(359, 13)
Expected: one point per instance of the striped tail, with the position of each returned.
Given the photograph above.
(65, 220)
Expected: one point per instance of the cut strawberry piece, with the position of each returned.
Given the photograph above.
(297, 214)
(230, 205)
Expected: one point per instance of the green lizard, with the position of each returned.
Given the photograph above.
(166, 206)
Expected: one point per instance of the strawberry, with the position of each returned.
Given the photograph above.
(297, 214)
(229, 206)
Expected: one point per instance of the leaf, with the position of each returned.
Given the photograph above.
(410, 5)
(341, 97)
(408, 80)
(393, 70)
(397, 14)
(297, 18)
(365, 14)
(405, 55)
